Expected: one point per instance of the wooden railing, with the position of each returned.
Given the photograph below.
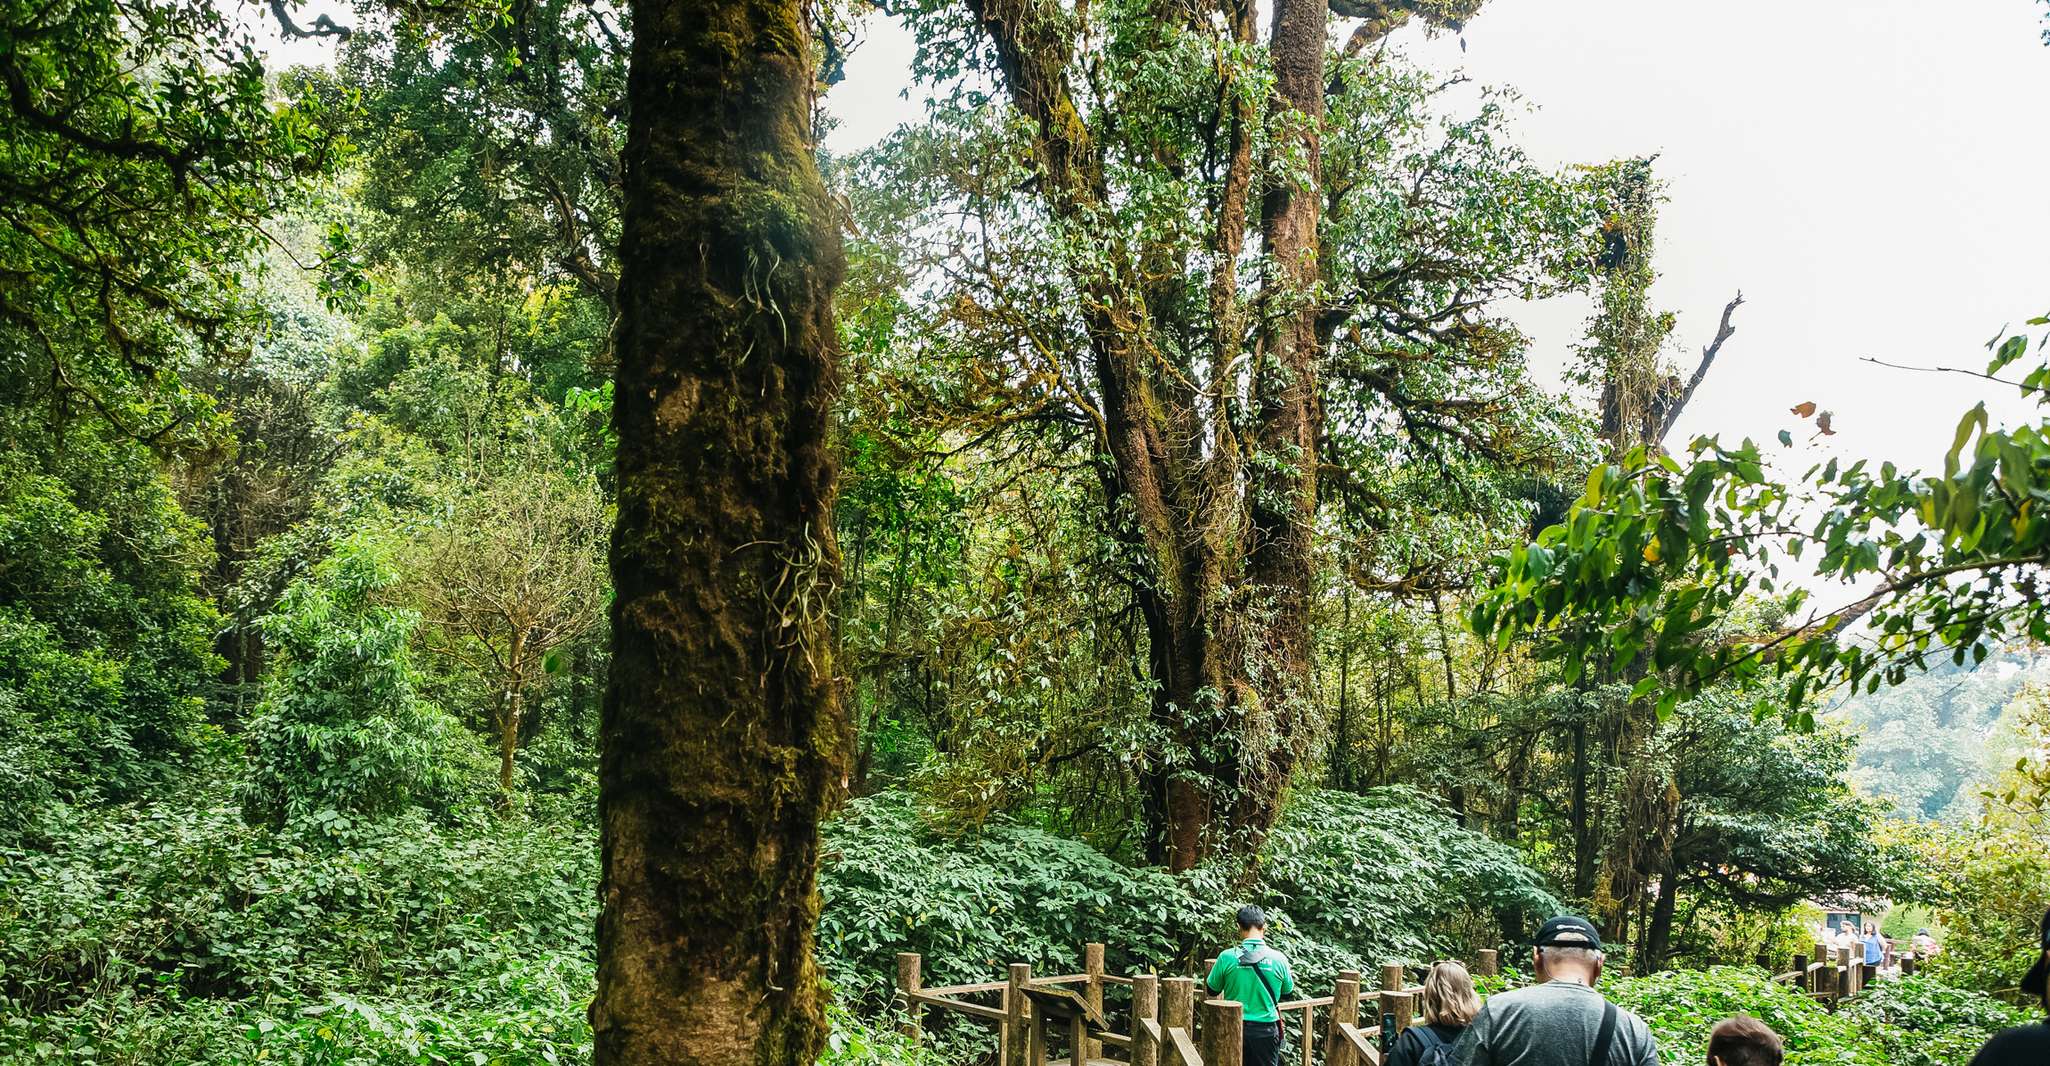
(1166, 1024)
(1832, 977)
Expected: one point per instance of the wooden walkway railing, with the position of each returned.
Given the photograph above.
(1165, 1024)
(1832, 977)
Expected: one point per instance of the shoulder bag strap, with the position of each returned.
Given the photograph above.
(1252, 962)
(1605, 1036)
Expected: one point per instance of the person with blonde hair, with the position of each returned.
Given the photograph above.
(1448, 1004)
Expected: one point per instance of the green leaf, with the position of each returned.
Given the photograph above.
(2010, 350)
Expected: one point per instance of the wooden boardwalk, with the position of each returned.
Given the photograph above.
(1832, 977)
(1162, 1022)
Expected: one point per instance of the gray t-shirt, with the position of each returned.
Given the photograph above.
(1552, 1024)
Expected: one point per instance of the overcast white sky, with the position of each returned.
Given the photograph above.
(1872, 174)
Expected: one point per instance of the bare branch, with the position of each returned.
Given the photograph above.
(1708, 354)
(1941, 370)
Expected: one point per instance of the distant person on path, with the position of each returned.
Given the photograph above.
(1744, 1041)
(2025, 1045)
(1925, 944)
(1875, 945)
(1448, 1005)
(1561, 1020)
(1846, 937)
(1257, 977)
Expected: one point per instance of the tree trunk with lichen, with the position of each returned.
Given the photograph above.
(1282, 497)
(723, 742)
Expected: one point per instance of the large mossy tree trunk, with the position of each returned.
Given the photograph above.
(723, 743)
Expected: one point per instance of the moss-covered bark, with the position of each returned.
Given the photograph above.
(723, 741)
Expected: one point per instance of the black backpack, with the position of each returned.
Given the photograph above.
(1435, 1052)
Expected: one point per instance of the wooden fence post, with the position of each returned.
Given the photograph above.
(1017, 1033)
(909, 981)
(1847, 978)
(1178, 1003)
(1394, 1003)
(1223, 1033)
(1145, 1007)
(1907, 966)
(1801, 980)
(1345, 1010)
(1490, 962)
(1092, 965)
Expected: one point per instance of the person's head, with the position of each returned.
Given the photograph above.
(1567, 949)
(1448, 997)
(2037, 983)
(1743, 1041)
(1871, 928)
(1252, 921)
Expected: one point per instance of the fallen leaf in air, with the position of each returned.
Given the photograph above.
(1822, 423)
(1805, 409)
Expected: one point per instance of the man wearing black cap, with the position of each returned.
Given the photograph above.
(1561, 1020)
(2026, 1045)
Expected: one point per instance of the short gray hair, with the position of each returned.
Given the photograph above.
(1562, 953)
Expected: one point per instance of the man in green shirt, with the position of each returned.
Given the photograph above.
(1256, 977)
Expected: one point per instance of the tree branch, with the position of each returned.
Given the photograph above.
(1708, 354)
(323, 26)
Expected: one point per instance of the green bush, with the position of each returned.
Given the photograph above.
(971, 904)
(1681, 1006)
(195, 900)
(1392, 874)
(342, 730)
(1926, 1023)
(1350, 880)
(104, 639)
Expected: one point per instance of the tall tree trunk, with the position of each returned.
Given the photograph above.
(508, 741)
(1658, 935)
(1341, 744)
(1282, 495)
(1586, 846)
(723, 742)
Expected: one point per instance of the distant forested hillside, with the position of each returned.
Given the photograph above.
(1924, 745)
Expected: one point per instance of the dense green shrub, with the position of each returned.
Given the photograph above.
(1911, 1022)
(105, 642)
(1997, 885)
(1349, 879)
(1926, 1023)
(342, 730)
(892, 881)
(1393, 874)
(1681, 1006)
(195, 899)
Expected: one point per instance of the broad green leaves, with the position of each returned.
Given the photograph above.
(1657, 553)
(145, 153)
